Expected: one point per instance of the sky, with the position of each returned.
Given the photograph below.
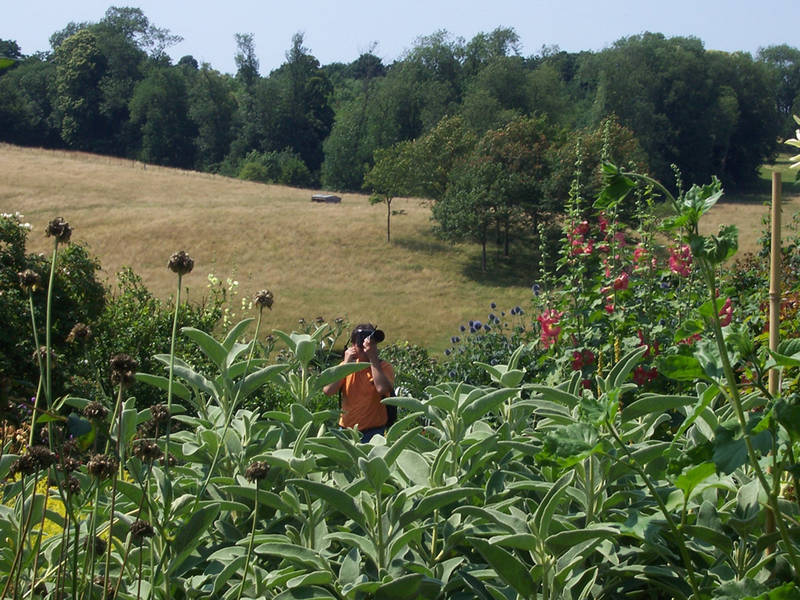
(341, 30)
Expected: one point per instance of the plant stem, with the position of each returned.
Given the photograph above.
(171, 369)
(632, 464)
(730, 376)
(249, 544)
(41, 366)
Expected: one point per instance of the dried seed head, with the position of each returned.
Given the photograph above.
(141, 529)
(59, 229)
(123, 369)
(29, 280)
(146, 450)
(80, 332)
(41, 353)
(24, 465)
(73, 485)
(102, 466)
(70, 464)
(264, 298)
(70, 448)
(43, 457)
(159, 413)
(256, 471)
(95, 411)
(106, 585)
(180, 263)
(99, 545)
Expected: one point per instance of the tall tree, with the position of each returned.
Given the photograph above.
(784, 63)
(159, 109)
(80, 67)
(392, 176)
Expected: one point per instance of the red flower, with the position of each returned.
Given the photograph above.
(602, 223)
(726, 313)
(680, 260)
(621, 282)
(580, 359)
(643, 375)
(550, 329)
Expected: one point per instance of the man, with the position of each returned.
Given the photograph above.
(362, 391)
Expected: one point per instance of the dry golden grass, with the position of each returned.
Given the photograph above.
(748, 211)
(318, 259)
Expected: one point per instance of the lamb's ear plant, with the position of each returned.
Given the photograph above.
(301, 379)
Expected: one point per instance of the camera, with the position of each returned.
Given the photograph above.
(376, 335)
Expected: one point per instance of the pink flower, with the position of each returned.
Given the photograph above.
(582, 228)
(680, 260)
(609, 308)
(619, 237)
(639, 254)
(602, 223)
(580, 359)
(621, 282)
(726, 313)
(550, 329)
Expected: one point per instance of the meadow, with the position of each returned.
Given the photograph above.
(318, 259)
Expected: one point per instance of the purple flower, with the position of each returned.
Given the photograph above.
(493, 306)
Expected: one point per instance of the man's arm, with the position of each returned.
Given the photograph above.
(350, 355)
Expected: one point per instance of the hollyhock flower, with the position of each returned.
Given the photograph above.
(581, 359)
(582, 228)
(643, 375)
(609, 308)
(619, 237)
(640, 254)
(602, 223)
(680, 260)
(550, 329)
(603, 247)
(690, 340)
(621, 282)
(726, 313)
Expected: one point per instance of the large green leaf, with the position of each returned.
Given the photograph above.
(485, 403)
(190, 534)
(561, 541)
(209, 346)
(507, 566)
(236, 332)
(647, 404)
(337, 372)
(337, 499)
(681, 368)
(162, 383)
(431, 502)
(547, 507)
(295, 554)
(620, 371)
(257, 379)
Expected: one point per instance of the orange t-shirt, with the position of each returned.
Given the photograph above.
(361, 403)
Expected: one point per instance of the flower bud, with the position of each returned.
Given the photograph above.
(256, 471)
(123, 369)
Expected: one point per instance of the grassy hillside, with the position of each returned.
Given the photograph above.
(318, 259)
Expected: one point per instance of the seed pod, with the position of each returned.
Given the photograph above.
(264, 298)
(256, 471)
(95, 411)
(180, 263)
(141, 529)
(29, 280)
(80, 332)
(123, 369)
(59, 229)
(102, 466)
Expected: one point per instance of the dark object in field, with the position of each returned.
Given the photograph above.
(330, 198)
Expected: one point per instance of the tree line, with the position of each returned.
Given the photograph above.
(109, 87)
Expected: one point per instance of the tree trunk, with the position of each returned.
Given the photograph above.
(388, 220)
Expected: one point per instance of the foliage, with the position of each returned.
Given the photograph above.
(553, 465)
(285, 167)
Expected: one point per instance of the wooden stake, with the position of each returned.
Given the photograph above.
(774, 310)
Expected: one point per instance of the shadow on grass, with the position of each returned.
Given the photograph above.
(424, 244)
(520, 269)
